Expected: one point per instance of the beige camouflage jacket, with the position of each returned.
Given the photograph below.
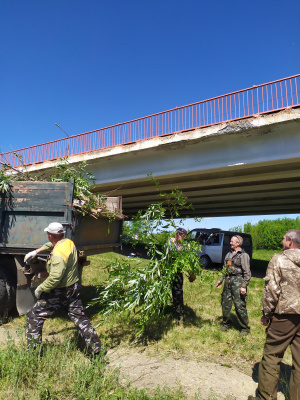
(281, 294)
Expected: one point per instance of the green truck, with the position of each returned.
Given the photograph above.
(25, 210)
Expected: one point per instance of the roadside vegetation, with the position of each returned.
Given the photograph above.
(267, 234)
(63, 372)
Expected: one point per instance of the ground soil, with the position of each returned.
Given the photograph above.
(206, 379)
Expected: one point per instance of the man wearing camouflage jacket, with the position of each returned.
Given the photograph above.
(236, 280)
(61, 288)
(281, 315)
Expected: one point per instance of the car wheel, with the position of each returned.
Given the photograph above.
(205, 261)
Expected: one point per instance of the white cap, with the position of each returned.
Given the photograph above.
(55, 228)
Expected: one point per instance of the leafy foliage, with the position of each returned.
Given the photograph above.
(4, 179)
(84, 179)
(83, 182)
(267, 234)
(8, 174)
(144, 289)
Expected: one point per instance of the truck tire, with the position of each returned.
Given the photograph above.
(205, 261)
(7, 293)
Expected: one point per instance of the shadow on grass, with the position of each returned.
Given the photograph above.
(284, 378)
(124, 327)
(159, 327)
(154, 330)
(127, 330)
(234, 322)
(88, 293)
(259, 268)
(64, 329)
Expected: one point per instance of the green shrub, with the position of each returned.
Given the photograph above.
(267, 234)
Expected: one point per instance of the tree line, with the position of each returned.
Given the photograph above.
(267, 234)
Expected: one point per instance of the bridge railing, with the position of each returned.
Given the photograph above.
(258, 99)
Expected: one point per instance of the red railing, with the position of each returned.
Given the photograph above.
(259, 99)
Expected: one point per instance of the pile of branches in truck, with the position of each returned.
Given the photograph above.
(85, 201)
(107, 207)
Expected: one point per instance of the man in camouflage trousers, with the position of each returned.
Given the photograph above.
(61, 288)
(281, 315)
(236, 280)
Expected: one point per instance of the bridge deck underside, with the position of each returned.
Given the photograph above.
(241, 190)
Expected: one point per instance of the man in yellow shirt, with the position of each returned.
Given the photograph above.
(61, 288)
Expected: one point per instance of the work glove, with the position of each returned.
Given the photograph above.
(29, 256)
(37, 293)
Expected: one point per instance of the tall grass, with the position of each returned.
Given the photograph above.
(63, 372)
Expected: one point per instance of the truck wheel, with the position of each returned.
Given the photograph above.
(7, 294)
(205, 261)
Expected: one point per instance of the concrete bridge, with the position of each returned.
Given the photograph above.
(248, 165)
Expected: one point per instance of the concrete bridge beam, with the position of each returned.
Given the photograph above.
(244, 167)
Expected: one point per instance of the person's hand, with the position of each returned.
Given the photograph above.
(219, 284)
(37, 293)
(264, 321)
(243, 291)
(29, 256)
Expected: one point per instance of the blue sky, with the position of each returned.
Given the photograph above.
(90, 64)
(227, 223)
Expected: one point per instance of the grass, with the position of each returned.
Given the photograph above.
(62, 372)
(199, 338)
(260, 259)
(24, 376)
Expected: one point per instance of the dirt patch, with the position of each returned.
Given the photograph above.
(207, 380)
(9, 331)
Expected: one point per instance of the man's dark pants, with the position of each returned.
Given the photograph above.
(232, 293)
(283, 330)
(177, 295)
(69, 298)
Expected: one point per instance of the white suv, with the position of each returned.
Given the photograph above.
(215, 244)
